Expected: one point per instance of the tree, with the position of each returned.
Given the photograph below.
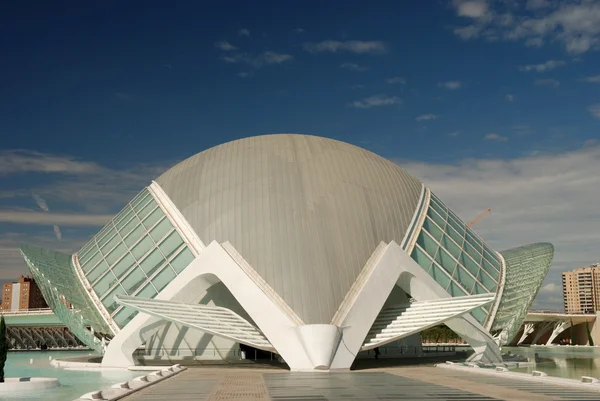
(3, 347)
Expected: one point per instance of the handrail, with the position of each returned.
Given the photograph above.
(38, 311)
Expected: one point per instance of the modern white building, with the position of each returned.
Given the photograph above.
(303, 246)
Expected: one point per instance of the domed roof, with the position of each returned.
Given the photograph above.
(306, 212)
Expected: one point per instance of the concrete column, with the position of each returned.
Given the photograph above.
(527, 330)
(542, 328)
(559, 327)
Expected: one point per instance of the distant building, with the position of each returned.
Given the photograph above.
(581, 289)
(22, 295)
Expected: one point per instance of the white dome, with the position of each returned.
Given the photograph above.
(306, 212)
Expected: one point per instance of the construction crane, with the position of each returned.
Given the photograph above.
(481, 216)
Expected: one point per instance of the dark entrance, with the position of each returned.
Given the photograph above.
(255, 354)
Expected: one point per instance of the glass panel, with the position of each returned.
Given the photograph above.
(104, 284)
(491, 257)
(439, 209)
(116, 253)
(142, 198)
(160, 230)
(486, 280)
(97, 272)
(142, 247)
(479, 315)
(147, 292)
(124, 316)
(465, 279)
(153, 218)
(135, 235)
(85, 254)
(163, 278)
(152, 262)
(490, 269)
(421, 258)
(129, 226)
(479, 289)
(469, 264)
(474, 241)
(182, 260)
(433, 229)
(472, 252)
(109, 301)
(457, 226)
(458, 238)
(123, 265)
(170, 244)
(439, 276)
(451, 246)
(146, 210)
(436, 217)
(124, 219)
(134, 280)
(446, 260)
(455, 290)
(427, 243)
(104, 234)
(87, 266)
(114, 240)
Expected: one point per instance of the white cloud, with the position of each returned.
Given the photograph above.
(376, 101)
(594, 110)
(547, 82)
(57, 232)
(396, 80)
(244, 32)
(495, 137)
(40, 202)
(593, 79)
(471, 8)
(427, 117)
(225, 46)
(575, 25)
(548, 197)
(352, 46)
(510, 97)
(551, 288)
(259, 60)
(543, 67)
(450, 85)
(26, 161)
(50, 219)
(354, 67)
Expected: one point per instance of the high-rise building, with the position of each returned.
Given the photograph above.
(581, 289)
(22, 295)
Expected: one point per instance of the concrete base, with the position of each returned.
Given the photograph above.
(15, 385)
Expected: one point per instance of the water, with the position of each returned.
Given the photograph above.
(567, 362)
(74, 382)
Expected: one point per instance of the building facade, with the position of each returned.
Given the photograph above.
(306, 247)
(22, 295)
(581, 289)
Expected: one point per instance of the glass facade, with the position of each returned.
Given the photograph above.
(137, 253)
(455, 257)
(55, 275)
(526, 268)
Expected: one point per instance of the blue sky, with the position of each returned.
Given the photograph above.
(499, 100)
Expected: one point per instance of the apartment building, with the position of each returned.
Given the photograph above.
(21, 295)
(581, 289)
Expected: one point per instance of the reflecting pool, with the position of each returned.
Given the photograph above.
(562, 361)
(74, 382)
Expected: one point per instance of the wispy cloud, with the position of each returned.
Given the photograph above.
(25, 161)
(427, 117)
(354, 67)
(593, 79)
(543, 67)
(510, 97)
(594, 110)
(495, 137)
(351, 46)
(549, 197)
(376, 101)
(122, 95)
(244, 32)
(396, 80)
(450, 85)
(299, 30)
(258, 60)
(40, 202)
(547, 82)
(57, 232)
(50, 219)
(454, 134)
(225, 46)
(575, 25)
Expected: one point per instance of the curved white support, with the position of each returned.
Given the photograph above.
(542, 328)
(527, 330)
(559, 327)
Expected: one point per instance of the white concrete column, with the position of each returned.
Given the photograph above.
(527, 330)
(559, 327)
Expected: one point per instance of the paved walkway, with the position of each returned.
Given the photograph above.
(404, 383)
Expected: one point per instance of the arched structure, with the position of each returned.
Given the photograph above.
(304, 246)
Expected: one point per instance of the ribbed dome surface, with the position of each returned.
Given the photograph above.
(306, 212)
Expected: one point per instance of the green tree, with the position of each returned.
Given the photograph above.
(3, 347)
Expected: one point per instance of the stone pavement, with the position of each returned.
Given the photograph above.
(402, 383)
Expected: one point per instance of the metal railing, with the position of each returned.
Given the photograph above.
(40, 311)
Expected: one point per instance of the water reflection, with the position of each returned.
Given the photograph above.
(568, 362)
